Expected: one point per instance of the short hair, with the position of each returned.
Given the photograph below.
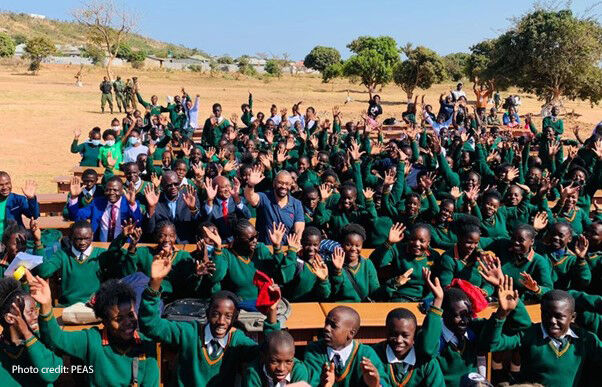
(89, 172)
(413, 195)
(453, 295)
(225, 295)
(528, 228)
(563, 224)
(180, 162)
(112, 292)
(4, 174)
(129, 164)
(465, 225)
(353, 228)
(277, 339)
(309, 232)
(216, 105)
(10, 290)
(492, 193)
(420, 226)
(447, 201)
(558, 295)
(169, 173)
(348, 187)
(12, 227)
(80, 224)
(400, 314)
(107, 133)
(350, 312)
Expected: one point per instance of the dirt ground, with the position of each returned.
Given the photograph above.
(39, 113)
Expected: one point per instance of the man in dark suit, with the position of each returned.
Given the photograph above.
(179, 207)
(13, 206)
(224, 206)
(107, 213)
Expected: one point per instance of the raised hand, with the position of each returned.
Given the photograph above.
(281, 156)
(160, 268)
(528, 282)
(77, 133)
(490, 269)
(111, 161)
(235, 186)
(368, 193)
(29, 190)
(389, 178)
(455, 193)
(325, 191)
(572, 152)
(269, 136)
(598, 148)
(328, 376)
(319, 267)
(255, 177)
(152, 198)
(507, 296)
(75, 187)
(266, 161)
(369, 373)
(40, 291)
(581, 246)
(186, 149)
(14, 317)
(354, 150)
(277, 233)
(435, 287)
(209, 153)
(553, 147)
(189, 197)
(156, 180)
(540, 221)
(493, 155)
(130, 194)
(210, 189)
(426, 181)
(294, 241)
(214, 236)
(127, 227)
(34, 227)
(377, 148)
(512, 174)
(472, 194)
(313, 140)
(221, 154)
(396, 233)
(338, 258)
(402, 156)
(403, 279)
(230, 166)
(199, 170)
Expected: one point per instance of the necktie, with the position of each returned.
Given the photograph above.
(338, 364)
(400, 370)
(216, 349)
(112, 223)
(225, 208)
(81, 257)
(561, 343)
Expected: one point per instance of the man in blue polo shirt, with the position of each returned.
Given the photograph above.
(275, 206)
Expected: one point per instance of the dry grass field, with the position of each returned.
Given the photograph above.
(39, 113)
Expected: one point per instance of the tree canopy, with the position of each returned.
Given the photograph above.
(7, 45)
(455, 65)
(37, 49)
(320, 57)
(422, 68)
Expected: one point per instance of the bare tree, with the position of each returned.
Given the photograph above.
(107, 26)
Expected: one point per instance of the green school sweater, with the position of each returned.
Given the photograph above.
(401, 261)
(568, 272)
(88, 151)
(365, 277)
(541, 362)
(577, 217)
(316, 356)
(116, 152)
(195, 366)
(493, 227)
(111, 367)
(425, 372)
(79, 280)
(32, 353)
(442, 237)
(595, 265)
(236, 272)
(340, 218)
(254, 376)
(300, 281)
(309, 178)
(451, 266)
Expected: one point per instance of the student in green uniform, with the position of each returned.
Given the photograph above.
(593, 234)
(353, 278)
(89, 149)
(493, 221)
(113, 355)
(14, 240)
(442, 235)
(111, 153)
(566, 210)
(82, 267)
(209, 354)
(569, 269)
(338, 360)
(303, 271)
(277, 365)
(236, 266)
(19, 340)
(403, 354)
(89, 190)
(553, 352)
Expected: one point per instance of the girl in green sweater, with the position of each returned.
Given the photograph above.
(19, 341)
(114, 355)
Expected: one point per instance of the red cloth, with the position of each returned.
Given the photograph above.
(225, 208)
(475, 295)
(266, 297)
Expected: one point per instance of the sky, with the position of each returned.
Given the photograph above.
(275, 27)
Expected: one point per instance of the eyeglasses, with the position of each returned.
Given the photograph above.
(171, 185)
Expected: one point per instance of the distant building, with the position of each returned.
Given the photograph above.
(176, 64)
(36, 16)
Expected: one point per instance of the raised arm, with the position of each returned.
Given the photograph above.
(255, 178)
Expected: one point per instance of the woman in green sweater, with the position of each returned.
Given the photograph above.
(20, 347)
(89, 149)
(114, 355)
(209, 354)
(566, 210)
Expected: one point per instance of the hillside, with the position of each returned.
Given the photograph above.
(21, 26)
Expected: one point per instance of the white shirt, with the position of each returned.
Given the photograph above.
(555, 341)
(106, 218)
(343, 353)
(173, 205)
(458, 93)
(130, 154)
(271, 383)
(86, 253)
(276, 119)
(449, 336)
(90, 192)
(209, 337)
(409, 359)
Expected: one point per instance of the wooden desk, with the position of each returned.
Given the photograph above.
(78, 171)
(51, 222)
(305, 322)
(62, 183)
(51, 204)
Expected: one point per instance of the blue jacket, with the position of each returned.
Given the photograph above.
(225, 225)
(17, 205)
(94, 212)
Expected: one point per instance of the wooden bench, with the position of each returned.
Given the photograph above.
(63, 184)
(51, 204)
(78, 171)
(51, 222)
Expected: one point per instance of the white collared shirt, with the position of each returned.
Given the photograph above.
(219, 202)
(90, 192)
(555, 341)
(343, 353)
(209, 336)
(271, 383)
(449, 336)
(409, 359)
(87, 252)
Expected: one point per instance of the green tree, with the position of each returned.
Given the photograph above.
(124, 50)
(335, 70)
(96, 54)
(422, 68)
(455, 65)
(226, 59)
(19, 39)
(554, 54)
(273, 67)
(137, 58)
(7, 45)
(373, 61)
(37, 49)
(245, 67)
(489, 61)
(320, 57)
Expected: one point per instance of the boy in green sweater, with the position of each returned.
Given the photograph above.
(338, 360)
(209, 354)
(20, 348)
(114, 355)
(553, 353)
(403, 353)
(277, 365)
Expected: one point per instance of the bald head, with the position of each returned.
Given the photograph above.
(282, 184)
(347, 315)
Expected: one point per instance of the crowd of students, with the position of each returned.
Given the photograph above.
(456, 210)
